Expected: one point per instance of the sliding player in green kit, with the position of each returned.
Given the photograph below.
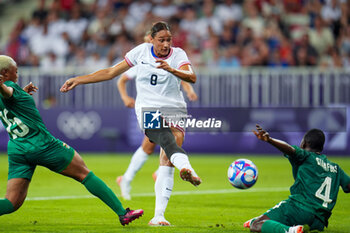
(314, 192)
(31, 144)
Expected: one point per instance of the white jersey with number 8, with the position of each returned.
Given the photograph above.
(156, 88)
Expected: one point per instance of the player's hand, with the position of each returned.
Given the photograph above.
(30, 88)
(69, 85)
(129, 102)
(192, 96)
(164, 65)
(261, 134)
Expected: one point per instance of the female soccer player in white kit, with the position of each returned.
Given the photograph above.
(158, 85)
(140, 156)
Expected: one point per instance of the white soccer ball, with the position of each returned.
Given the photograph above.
(242, 173)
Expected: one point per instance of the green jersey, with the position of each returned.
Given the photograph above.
(317, 182)
(23, 122)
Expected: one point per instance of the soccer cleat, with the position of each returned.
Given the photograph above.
(124, 188)
(130, 216)
(159, 221)
(299, 229)
(248, 223)
(186, 174)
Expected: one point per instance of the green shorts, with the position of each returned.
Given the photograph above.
(56, 157)
(288, 212)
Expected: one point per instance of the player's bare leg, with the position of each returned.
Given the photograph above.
(137, 161)
(148, 146)
(78, 171)
(16, 193)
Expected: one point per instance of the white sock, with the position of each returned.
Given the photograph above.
(180, 160)
(136, 163)
(163, 188)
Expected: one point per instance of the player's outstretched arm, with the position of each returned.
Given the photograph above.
(98, 76)
(121, 84)
(185, 72)
(30, 88)
(191, 94)
(279, 144)
(5, 91)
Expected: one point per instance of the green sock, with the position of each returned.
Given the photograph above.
(6, 207)
(271, 226)
(98, 188)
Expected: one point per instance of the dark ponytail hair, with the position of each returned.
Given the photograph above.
(159, 26)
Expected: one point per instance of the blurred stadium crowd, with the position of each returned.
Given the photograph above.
(214, 33)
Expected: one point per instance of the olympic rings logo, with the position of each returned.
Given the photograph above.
(79, 124)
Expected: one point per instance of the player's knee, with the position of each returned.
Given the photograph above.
(76, 171)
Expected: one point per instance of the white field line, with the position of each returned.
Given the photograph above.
(175, 193)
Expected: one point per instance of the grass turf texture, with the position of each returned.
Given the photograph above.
(215, 206)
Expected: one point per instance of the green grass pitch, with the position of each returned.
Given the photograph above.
(60, 204)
